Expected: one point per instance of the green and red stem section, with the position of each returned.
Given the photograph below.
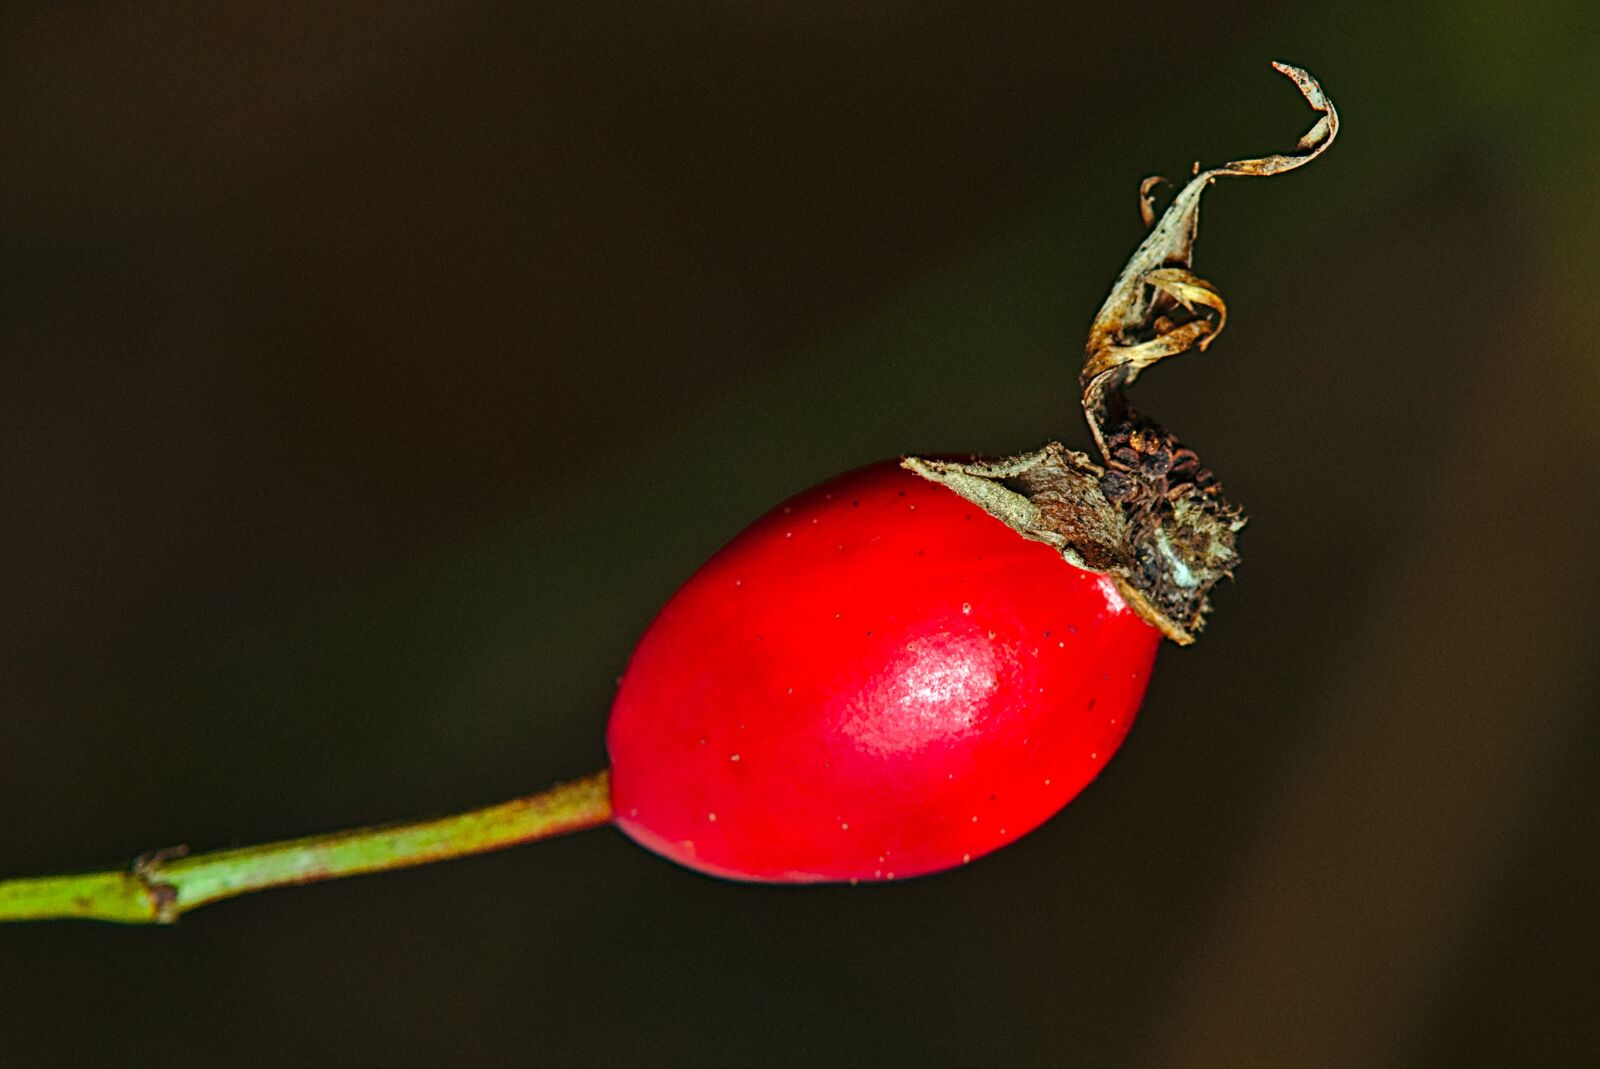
(160, 886)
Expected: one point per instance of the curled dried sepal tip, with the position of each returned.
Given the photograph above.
(1130, 332)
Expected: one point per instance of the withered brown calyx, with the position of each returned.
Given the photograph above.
(1150, 515)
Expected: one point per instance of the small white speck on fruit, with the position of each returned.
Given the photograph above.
(913, 508)
(1063, 645)
(788, 534)
(878, 873)
(1002, 831)
(966, 859)
(974, 818)
(991, 636)
(738, 582)
(854, 880)
(633, 812)
(787, 510)
(890, 876)
(789, 691)
(1113, 720)
(814, 519)
(1094, 757)
(966, 608)
(733, 757)
(1047, 783)
(702, 742)
(844, 825)
(711, 817)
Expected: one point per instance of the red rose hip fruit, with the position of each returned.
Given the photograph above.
(909, 666)
(876, 680)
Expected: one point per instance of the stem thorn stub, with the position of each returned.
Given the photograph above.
(146, 870)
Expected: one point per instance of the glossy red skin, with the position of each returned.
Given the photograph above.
(875, 680)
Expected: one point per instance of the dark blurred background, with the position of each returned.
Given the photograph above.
(370, 373)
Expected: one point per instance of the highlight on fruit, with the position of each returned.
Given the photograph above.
(890, 675)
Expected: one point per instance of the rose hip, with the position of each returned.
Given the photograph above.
(877, 679)
(907, 667)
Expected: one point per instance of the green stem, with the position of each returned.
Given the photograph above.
(160, 886)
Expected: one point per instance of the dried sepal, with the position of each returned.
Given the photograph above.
(1130, 333)
(1150, 516)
